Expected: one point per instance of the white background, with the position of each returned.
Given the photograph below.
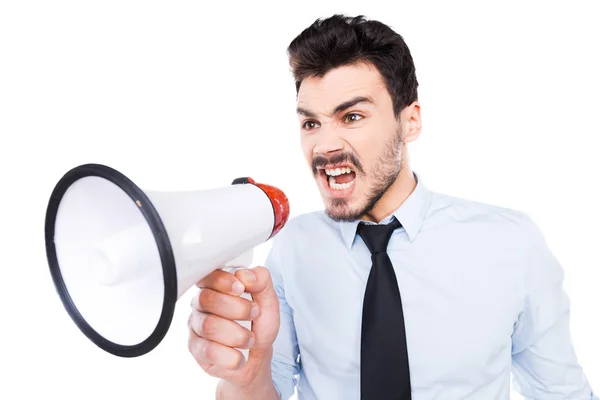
(183, 95)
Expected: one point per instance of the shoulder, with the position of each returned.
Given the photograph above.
(467, 213)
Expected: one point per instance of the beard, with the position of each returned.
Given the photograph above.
(384, 173)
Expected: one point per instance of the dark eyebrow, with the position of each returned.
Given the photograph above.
(305, 112)
(339, 108)
(352, 102)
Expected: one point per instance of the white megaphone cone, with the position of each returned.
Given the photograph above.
(121, 257)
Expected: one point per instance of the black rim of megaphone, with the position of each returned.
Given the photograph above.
(162, 241)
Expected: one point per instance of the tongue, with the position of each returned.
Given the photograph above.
(345, 178)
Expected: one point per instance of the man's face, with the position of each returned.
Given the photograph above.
(350, 138)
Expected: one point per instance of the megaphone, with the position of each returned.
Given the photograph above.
(121, 257)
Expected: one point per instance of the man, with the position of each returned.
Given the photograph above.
(442, 305)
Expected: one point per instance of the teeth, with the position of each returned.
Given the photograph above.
(339, 186)
(338, 171)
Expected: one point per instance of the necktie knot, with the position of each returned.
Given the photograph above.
(377, 237)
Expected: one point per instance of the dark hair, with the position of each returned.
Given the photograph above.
(341, 40)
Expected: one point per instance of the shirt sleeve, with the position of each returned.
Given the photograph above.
(284, 365)
(544, 364)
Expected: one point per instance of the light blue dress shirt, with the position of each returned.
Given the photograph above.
(482, 296)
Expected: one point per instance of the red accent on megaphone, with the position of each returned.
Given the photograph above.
(281, 206)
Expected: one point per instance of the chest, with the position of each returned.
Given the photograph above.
(459, 308)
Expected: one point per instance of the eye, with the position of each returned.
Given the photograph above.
(349, 118)
(308, 125)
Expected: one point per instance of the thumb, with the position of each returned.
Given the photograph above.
(259, 284)
(265, 326)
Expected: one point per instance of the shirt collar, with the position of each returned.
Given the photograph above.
(411, 214)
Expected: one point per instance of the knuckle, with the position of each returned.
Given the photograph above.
(207, 325)
(224, 276)
(190, 346)
(250, 307)
(237, 359)
(263, 271)
(242, 337)
(193, 345)
(224, 283)
(205, 282)
(241, 310)
(211, 352)
(206, 299)
(210, 370)
(199, 350)
(231, 359)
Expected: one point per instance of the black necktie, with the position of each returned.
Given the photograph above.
(384, 371)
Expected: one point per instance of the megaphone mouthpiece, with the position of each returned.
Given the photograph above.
(281, 206)
(279, 201)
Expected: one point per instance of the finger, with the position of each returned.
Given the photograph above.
(264, 294)
(220, 330)
(209, 352)
(211, 369)
(208, 368)
(261, 287)
(225, 305)
(248, 278)
(222, 281)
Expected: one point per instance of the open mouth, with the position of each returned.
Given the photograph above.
(339, 179)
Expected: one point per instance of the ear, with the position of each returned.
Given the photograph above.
(411, 122)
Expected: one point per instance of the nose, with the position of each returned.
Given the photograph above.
(328, 142)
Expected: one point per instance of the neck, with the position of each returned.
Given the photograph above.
(393, 198)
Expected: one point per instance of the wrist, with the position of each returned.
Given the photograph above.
(262, 378)
(259, 385)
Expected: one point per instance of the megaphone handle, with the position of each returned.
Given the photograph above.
(246, 324)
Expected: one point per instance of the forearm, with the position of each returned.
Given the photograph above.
(261, 387)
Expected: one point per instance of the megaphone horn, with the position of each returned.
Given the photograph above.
(121, 257)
